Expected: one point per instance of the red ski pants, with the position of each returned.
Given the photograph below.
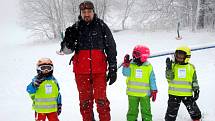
(92, 87)
(42, 116)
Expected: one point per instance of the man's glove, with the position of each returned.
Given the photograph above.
(38, 81)
(112, 75)
(168, 64)
(196, 95)
(62, 45)
(71, 44)
(59, 109)
(154, 95)
(127, 60)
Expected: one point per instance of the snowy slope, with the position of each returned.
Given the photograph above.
(17, 67)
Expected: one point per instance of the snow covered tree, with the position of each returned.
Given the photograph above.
(128, 7)
(101, 8)
(201, 14)
(71, 11)
(43, 17)
(49, 18)
(209, 14)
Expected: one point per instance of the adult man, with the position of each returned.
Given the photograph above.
(94, 46)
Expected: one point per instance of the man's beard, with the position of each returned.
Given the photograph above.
(87, 19)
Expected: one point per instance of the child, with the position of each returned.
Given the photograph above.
(141, 83)
(182, 80)
(44, 92)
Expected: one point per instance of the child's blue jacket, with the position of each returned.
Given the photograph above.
(31, 89)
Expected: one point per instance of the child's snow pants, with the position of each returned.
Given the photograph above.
(42, 116)
(174, 104)
(133, 109)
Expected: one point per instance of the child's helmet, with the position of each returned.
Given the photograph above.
(44, 61)
(44, 66)
(141, 52)
(182, 53)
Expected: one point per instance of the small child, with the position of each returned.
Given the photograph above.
(141, 83)
(44, 92)
(182, 80)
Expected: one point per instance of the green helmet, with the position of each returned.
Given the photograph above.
(183, 50)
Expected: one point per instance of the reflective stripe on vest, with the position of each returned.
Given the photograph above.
(46, 106)
(180, 89)
(138, 82)
(46, 97)
(182, 83)
(137, 90)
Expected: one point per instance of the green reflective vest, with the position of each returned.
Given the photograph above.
(45, 100)
(181, 85)
(138, 82)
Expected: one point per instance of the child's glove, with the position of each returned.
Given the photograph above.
(127, 60)
(38, 81)
(169, 72)
(59, 109)
(154, 95)
(168, 64)
(196, 95)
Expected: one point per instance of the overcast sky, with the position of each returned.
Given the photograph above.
(8, 11)
(10, 31)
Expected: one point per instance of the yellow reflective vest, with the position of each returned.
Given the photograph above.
(45, 100)
(138, 81)
(181, 85)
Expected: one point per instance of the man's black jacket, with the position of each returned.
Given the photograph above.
(95, 35)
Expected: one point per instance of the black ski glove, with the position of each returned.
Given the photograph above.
(169, 72)
(59, 109)
(168, 64)
(38, 81)
(68, 45)
(62, 45)
(112, 75)
(196, 95)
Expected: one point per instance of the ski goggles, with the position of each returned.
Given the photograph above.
(136, 54)
(86, 5)
(45, 67)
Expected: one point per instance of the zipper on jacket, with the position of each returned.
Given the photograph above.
(91, 75)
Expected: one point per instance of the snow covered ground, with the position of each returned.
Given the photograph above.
(19, 56)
